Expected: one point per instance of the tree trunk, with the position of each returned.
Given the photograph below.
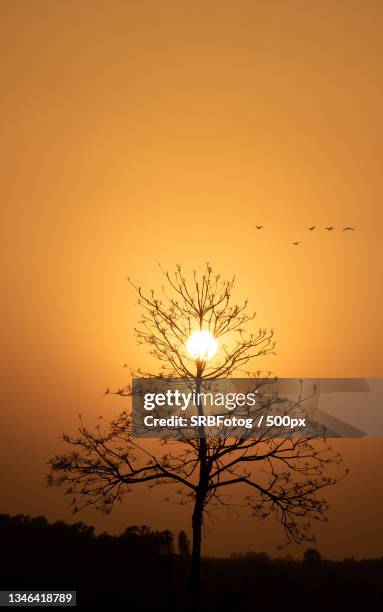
(202, 487)
(201, 492)
(195, 567)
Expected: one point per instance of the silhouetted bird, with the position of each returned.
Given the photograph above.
(259, 226)
(296, 243)
(348, 228)
(330, 228)
(312, 228)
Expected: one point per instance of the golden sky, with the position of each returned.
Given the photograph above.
(138, 132)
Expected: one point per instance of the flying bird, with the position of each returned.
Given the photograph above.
(312, 228)
(259, 227)
(330, 228)
(296, 243)
(348, 228)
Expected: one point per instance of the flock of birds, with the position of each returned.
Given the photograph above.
(329, 228)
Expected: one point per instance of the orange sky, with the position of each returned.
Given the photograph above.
(142, 132)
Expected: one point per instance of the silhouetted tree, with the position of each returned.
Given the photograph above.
(183, 544)
(106, 463)
(312, 556)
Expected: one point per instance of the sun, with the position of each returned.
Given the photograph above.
(201, 345)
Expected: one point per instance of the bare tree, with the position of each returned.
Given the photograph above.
(283, 475)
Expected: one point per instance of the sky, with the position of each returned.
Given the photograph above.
(141, 132)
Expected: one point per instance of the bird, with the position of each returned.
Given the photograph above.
(259, 227)
(312, 228)
(330, 228)
(348, 228)
(296, 243)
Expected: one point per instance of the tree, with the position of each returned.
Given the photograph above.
(312, 556)
(283, 475)
(183, 544)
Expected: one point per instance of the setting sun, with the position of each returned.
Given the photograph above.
(202, 345)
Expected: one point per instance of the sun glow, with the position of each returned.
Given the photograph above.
(201, 345)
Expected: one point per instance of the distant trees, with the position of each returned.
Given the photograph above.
(183, 544)
(137, 539)
(22, 525)
(251, 555)
(283, 476)
(312, 556)
(110, 572)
